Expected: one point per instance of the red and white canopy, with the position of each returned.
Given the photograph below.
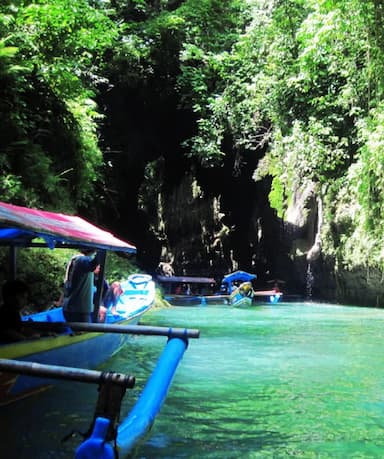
(21, 225)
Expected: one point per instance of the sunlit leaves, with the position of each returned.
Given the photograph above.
(371, 166)
(65, 39)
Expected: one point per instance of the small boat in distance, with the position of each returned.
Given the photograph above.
(238, 285)
(190, 290)
(242, 295)
(269, 296)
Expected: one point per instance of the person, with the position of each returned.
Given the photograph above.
(246, 289)
(15, 297)
(223, 289)
(276, 287)
(104, 287)
(111, 298)
(79, 286)
(99, 313)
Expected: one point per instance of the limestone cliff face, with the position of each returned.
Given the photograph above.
(212, 229)
(190, 222)
(210, 221)
(304, 232)
(323, 245)
(206, 233)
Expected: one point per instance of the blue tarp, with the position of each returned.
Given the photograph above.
(240, 276)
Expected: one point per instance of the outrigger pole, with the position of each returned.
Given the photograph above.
(170, 332)
(136, 426)
(67, 373)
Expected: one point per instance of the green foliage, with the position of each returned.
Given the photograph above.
(119, 267)
(324, 87)
(207, 80)
(51, 56)
(371, 167)
(276, 196)
(42, 269)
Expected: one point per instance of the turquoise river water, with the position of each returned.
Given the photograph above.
(277, 381)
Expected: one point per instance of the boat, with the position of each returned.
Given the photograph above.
(69, 348)
(138, 296)
(108, 437)
(267, 296)
(271, 295)
(190, 290)
(135, 427)
(238, 285)
(23, 227)
(28, 367)
(241, 292)
(241, 296)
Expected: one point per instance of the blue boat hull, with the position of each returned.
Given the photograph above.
(85, 350)
(80, 350)
(241, 301)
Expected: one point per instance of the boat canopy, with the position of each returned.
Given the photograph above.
(21, 226)
(186, 279)
(240, 276)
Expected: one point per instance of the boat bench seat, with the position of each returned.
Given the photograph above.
(52, 315)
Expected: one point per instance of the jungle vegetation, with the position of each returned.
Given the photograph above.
(302, 81)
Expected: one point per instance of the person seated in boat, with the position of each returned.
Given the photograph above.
(223, 290)
(15, 298)
(104, 288)
(276, 287)
(105, 285)
(110, 300)
(79, 286)
(246, 289)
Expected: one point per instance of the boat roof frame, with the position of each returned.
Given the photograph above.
(186, 280)
(23, 227)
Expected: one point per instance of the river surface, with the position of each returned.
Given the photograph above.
(277, 381)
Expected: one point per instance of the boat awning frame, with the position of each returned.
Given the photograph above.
(241, 276)
(186, 280)
(26, 227)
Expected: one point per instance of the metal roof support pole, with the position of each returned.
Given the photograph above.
(99, 285)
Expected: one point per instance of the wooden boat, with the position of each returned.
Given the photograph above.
(189, 290)
(133, 429)
(241, 292)
(23, 227)
(242, 295)
(30, 366)
(239, 288)
(107, 438)
(68, 348)
(267, 296)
